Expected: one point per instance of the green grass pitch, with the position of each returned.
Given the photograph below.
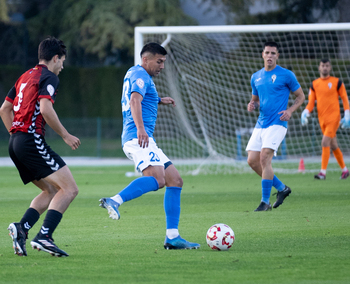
(305, 240)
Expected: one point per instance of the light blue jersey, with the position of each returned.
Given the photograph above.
(273, 89)
(138, 80)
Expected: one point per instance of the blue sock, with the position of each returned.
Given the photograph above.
(139, 187)
(172, 206)
(276, 183)
(266, 190)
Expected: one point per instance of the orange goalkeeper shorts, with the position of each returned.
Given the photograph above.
(329, 129)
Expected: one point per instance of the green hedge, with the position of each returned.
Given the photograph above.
(83, 92)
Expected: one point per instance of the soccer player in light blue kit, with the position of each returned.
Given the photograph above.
(140, 105)
(271, 88)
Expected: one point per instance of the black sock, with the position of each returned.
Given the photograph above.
(29, 219)
(51, 221)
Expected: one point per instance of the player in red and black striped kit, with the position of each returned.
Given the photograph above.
(25, 111)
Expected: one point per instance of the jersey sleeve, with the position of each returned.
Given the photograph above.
(48, 86)
(293, 82)
(139, 83)
(344, 96)
(312, 97)
(254, 90)
(11, 95)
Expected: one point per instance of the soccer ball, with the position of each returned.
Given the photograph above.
(220, 237)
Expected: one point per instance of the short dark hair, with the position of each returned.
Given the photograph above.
(325, 60)
(273, 44)
(50, 47)
(153, 48)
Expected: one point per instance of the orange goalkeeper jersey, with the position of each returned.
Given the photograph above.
(326, 91)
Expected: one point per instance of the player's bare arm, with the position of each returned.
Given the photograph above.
(300, 98)
(51, 118)
(253, 104)
(6, 114)
(136, 112)
(167, 101)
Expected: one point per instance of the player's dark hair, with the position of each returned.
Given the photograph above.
(153, 48)
(50, 47)
(272, 44)
(325, 60)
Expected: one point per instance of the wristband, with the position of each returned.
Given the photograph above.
(159, 100)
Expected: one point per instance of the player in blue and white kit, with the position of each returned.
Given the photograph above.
(271, 88)
(140, 105)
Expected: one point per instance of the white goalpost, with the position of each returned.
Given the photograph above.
(208, 72)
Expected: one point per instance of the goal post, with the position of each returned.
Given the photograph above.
(208, 71)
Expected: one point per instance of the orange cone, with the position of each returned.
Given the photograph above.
(301, 166)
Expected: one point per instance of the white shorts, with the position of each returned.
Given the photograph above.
(270, 137)
(145, 157)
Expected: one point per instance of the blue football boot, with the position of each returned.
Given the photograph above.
(179, 243)
(111, 206)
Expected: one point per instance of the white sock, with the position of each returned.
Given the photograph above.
(323, 172)
(172, 233)
(345, 169)
(117, 199)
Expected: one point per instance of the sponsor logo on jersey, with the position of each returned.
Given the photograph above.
(50, 89)
(273, 77)
(140, 83)
(330, 85)
(17, 123)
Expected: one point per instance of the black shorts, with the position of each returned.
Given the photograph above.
(33, 158)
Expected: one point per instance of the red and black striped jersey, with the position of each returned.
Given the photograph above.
(35, 84)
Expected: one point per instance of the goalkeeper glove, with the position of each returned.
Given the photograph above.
(304, 115)
(345, 122)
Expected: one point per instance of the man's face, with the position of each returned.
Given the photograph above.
(325, 69)
(270, 56)
(153, 63)
(58, 66)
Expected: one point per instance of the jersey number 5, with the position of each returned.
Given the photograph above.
(20, 97)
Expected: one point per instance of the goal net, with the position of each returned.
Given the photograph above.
(208, 71)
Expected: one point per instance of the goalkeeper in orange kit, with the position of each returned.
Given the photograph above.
(326, 90)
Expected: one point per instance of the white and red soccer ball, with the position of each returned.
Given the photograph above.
(220, 237)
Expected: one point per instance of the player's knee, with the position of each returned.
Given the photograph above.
(180, 182)
(75, 191)
(253, 163)
(161, 182)
(52, 193)
(72, 191)
(51, 190)
(177, 182)
(264, 162)
(334, 145)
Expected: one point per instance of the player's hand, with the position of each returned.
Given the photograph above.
(252, 105)
(143, 138)
(286, 115)
(72, 141)
(345, 121)
(167, 101)
(304, 115)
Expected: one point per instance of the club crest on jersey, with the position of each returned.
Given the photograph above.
(50, 89)
(140, 83)
(273, 77)
(330, 85)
